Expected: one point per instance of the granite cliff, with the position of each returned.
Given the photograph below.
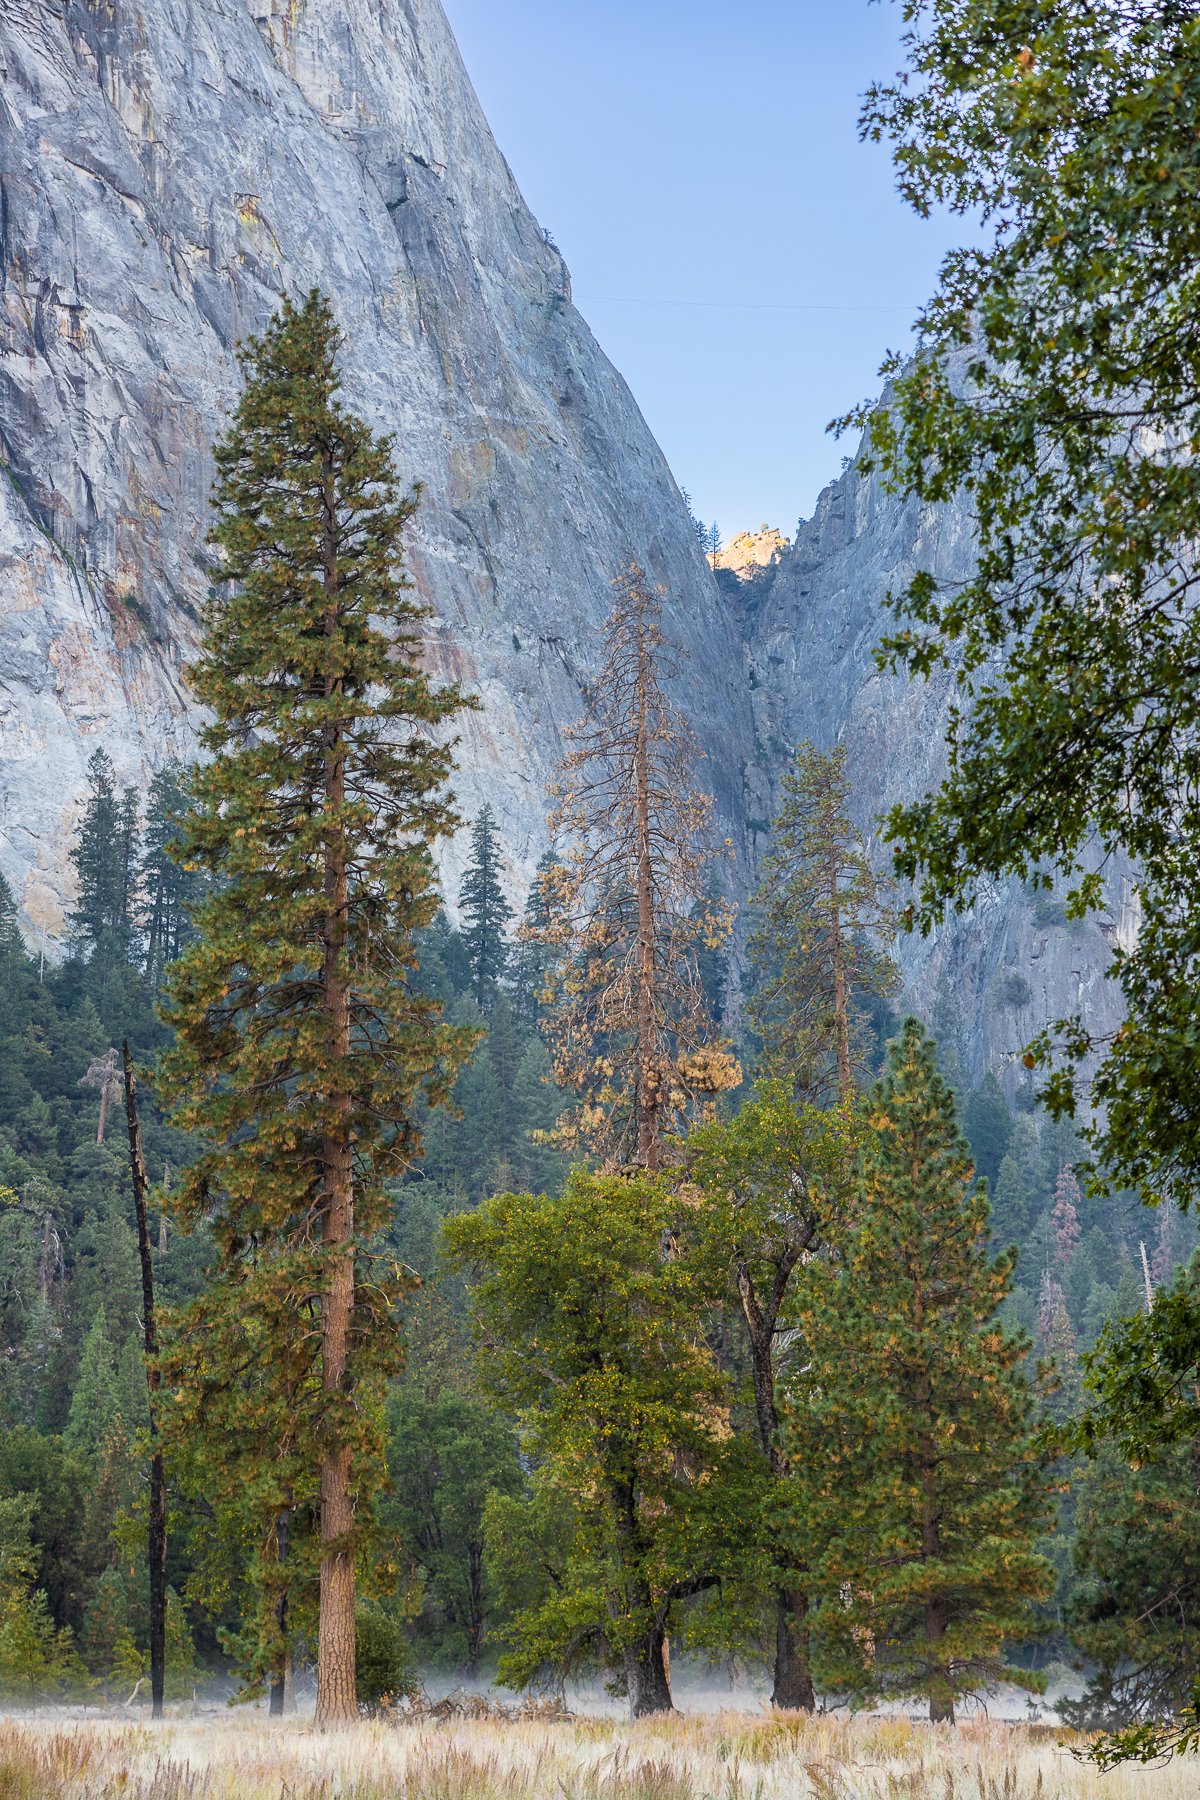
(167, 170)
(1012, 963)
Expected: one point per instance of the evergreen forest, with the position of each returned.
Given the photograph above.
(549, 1287)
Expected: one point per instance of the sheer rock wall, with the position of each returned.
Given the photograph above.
(167, 170)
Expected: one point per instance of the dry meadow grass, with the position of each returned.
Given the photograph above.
(702, 1756)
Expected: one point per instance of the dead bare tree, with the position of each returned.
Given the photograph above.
(630, 906)
(102, 1074)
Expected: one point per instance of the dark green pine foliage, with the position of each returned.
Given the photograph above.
(167, 888)
(930, 1474)
(817, 900)
(448, 1453)
(486, 913)
(988, 1125)
(532, 956)
(104, 858)
(303, 1046)
(13, 973)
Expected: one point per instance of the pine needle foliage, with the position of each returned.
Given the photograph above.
(925, 1458)
(167, 890)
(630, 905)
(103, 857)
(486, 913)
(302, 1048)
(817, 900)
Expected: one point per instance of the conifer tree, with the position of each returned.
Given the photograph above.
(988, 1125)
(11, 944)
(816, 900)
(485, 912)
(167, 887)
(534, 956)
(302, 1046)
(1064, 1217)
(1057, 1336)
(99, 856)
(94, 1400)
(628, 908)
(935, 1489)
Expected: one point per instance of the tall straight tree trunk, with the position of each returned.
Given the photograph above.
(337, 1701)
(941, 1690)
(648, 1079)
(156, 1546)
(279, 1677)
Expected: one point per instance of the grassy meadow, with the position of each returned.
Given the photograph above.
(709, 1756)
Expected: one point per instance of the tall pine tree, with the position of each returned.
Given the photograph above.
(103, 855)
(816, 901)
(485, 911)
(933, 1475)
(167, 887)
(302, 1046)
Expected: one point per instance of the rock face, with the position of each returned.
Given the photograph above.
(750, 551)
(169, 168)
(1012, 964)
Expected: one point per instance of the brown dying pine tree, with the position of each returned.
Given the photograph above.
(630, 907)
(301, 1047)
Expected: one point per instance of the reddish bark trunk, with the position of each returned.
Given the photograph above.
(337, 1702)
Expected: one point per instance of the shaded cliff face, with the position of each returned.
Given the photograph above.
(167, 170)
(1012, 964)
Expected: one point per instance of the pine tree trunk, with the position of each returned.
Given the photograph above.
(280, 1674)
(941, 1691)
(156, 1547)
(648, 1097)
(337, 1702)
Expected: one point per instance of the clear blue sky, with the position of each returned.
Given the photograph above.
(707, 154)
